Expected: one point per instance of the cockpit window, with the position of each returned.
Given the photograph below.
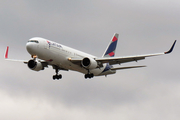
(33, 41)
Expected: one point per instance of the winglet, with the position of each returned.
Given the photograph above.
(171, 48)
(6, 54)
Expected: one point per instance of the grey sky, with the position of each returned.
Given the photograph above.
(137, 94)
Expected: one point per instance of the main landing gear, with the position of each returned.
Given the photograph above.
(57, 76)
(88, 76)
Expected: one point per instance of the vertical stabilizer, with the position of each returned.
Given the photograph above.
(110, 50)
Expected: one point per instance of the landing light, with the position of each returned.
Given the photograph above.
(34, 56)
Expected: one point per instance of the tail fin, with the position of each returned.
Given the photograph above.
(110, 50)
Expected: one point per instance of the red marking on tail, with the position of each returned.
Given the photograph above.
(111, 54)
(114, 39)
(6, 55)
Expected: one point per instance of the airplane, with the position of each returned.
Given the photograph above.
(46, 53)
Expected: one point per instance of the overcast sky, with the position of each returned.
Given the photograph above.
(145, 26)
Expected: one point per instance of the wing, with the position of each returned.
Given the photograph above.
(44, 63)
(6, 57)
(119, 60)
(121, 68)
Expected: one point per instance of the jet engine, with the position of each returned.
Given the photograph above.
(35, 65)
(89, 63)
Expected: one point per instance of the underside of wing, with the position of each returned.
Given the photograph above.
(119, 60)
(121, 68)
(34, 64)
(15, 60)
(75, 60)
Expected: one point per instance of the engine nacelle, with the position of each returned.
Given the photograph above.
(35, 65)
(89, 63)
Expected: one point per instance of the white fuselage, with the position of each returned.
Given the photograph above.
(57, 54)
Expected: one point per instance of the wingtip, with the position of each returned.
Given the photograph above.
(6, 54)
(171, 49)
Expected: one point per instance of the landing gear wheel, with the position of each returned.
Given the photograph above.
(57, 76)
(85, 76)
(92, 75)
(54, 77)
(88, 76)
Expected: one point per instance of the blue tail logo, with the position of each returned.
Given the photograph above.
(110, 50)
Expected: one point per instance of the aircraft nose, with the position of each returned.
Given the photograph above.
(30, 47)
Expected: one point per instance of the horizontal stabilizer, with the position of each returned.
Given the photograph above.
(120, 68)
